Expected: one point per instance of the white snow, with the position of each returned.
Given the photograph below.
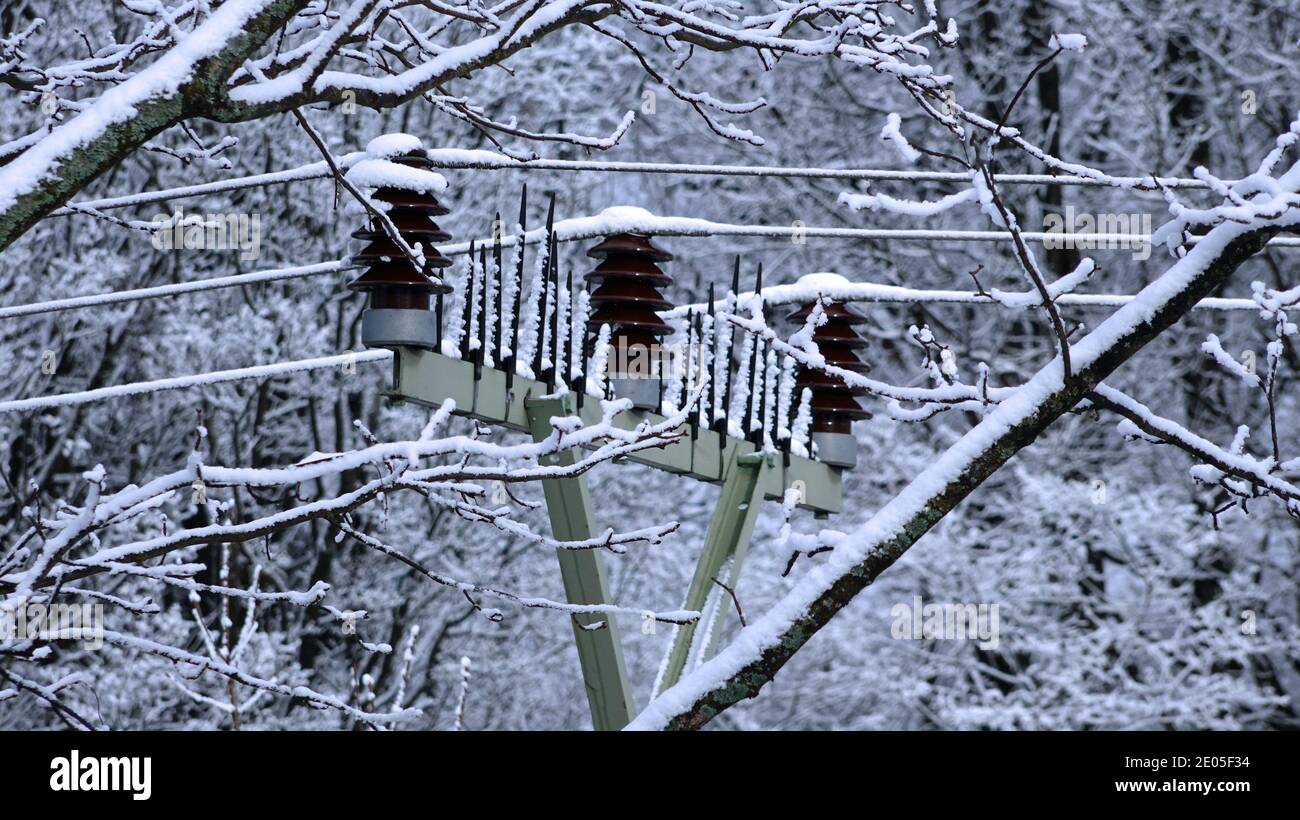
(891, 520)
(893, 134)
(162, 79)
(380, 173)
(198, 379)
(387, 146)
(1068, 42)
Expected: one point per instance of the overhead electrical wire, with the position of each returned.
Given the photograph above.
(575, 230)
(196, 380)
(456, 159)
(173, 289)
(484, 160)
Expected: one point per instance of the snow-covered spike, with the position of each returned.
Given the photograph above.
(539, 349)
(519, 290)
(553, 372)
(686, 363)
(437, 317)
(755, 376)
(699, 374)
(467, 322)
(758, 423)
(713, 359)
(578, 348)
(731, 370)
(563, 363)
(751, 388)
(500, 275)
(484, 328)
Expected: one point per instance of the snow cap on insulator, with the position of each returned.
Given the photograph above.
(627, 297)
(834, 405)
(398, 309)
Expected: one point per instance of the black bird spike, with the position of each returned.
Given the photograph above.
(498, 229)
(553, 373)
(540, 348)
(483, 330)
(519, 289)
(686, 365)
(565, 364)
(467, 323)
(731, 369)
(713, 359)
(697, 413)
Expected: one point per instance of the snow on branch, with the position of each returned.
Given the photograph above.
(250, 59)
(741, 669)
(106, 541)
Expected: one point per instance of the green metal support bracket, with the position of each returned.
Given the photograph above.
(747, 476)
(429, 378)
(728, 537)
(599, 649)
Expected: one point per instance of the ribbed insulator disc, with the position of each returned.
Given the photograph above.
(835, 312)
(834, 411)
(625, 291)
(627, 295)
(380, 248)
(632, 244)
(625, 317)
(630, 267)
(401, 198)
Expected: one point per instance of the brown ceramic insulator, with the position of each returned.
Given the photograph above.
(834, 406)
(390, 278)
(630, 244)
(627, 294)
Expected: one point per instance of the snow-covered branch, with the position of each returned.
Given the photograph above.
(761, 649)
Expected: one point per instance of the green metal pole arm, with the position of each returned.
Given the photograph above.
(599, 649)
(728, 537)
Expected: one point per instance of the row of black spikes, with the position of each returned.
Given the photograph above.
(758, 373)
(561, 345)
(561, 351)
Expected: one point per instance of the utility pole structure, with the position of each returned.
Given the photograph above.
(486, 382)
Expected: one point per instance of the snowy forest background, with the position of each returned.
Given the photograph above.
(1121, 614)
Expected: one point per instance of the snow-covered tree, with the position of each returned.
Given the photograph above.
(992, 447)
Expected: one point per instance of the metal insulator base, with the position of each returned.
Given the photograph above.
(836, 449)
(644, 393)
(386, 327)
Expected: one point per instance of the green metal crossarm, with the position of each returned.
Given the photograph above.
(429, 378)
